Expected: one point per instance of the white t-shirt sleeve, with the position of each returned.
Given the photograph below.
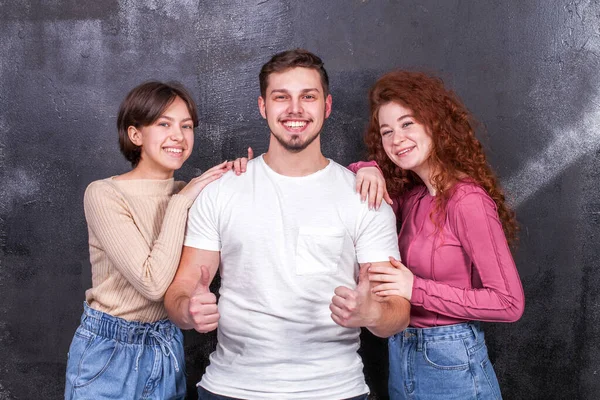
(202, 225)
(376, 238)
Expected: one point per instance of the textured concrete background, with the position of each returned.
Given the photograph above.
(528, 70)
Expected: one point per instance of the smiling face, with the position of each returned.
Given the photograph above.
(295, 108)
(406, 141)
(166, 143)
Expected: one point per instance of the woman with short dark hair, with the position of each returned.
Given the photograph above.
(125, 347)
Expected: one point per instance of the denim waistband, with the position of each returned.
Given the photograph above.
(158, 333)
(132, 332)
(447, 332)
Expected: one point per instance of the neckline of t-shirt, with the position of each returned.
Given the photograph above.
(314, 175)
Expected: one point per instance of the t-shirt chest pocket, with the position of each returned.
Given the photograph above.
(318, 250)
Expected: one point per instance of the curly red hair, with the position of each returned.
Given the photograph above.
(455, 152)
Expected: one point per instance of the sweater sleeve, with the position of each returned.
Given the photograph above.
(149, 267)
(500, 299)
(354, 167)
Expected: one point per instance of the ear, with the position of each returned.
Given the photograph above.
(134, 135)
(261, 107)
(328, 106)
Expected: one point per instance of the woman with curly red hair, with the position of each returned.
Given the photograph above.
(457, 268)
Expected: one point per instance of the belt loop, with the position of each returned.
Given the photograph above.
(131, 332)
(419, 339)
(86, 312)
(474, 329)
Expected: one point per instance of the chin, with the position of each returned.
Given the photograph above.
(173, 167)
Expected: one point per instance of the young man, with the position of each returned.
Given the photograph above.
(292, 238)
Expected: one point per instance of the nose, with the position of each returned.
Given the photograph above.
(295, 107)
(398, 137)
(177, 133)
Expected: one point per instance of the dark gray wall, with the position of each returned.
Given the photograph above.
(528, 70)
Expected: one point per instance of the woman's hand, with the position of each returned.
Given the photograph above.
(195, 186)
(397, 280)
(371, 184)
(239, 165)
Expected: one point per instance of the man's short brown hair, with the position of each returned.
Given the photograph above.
(142, 106)
(285, 60)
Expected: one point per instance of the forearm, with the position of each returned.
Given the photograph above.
(393, 317)
(482, 304)
(162, 260)
(148, 266)
(191, 286)
(177, 300)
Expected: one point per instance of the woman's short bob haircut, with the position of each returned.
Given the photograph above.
(143, 105)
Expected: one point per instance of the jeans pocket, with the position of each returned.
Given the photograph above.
(79, 346)
(318, 250)
(95, 360)
(449, 354)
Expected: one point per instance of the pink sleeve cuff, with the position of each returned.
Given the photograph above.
(354, 167)
(416, 297)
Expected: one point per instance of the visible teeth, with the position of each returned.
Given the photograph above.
(404, 151)
(172, 150)
(295, 124)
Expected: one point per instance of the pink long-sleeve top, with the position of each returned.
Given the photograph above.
(463, 271)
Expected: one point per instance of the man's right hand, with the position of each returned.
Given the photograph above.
(355, 308)
(203, 305)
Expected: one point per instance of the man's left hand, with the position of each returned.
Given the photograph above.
(354, 308)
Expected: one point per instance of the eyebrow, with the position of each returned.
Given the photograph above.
(399, 119)
(302, 91)
(172, 119)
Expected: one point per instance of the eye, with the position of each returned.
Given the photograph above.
(310, 97)
(386, 132)
(165, 124)
(280, 97)
(407, 123)
(188, 126)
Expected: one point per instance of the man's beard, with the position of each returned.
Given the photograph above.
(294, 144)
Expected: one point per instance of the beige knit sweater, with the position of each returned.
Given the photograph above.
(136, 230)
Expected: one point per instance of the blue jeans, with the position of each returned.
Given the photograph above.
(446, 362)
(111, 358)
(204, 394)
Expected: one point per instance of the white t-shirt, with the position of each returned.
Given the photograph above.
(286, 243)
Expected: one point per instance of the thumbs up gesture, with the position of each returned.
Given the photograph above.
(203, 304)
(353, 308)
